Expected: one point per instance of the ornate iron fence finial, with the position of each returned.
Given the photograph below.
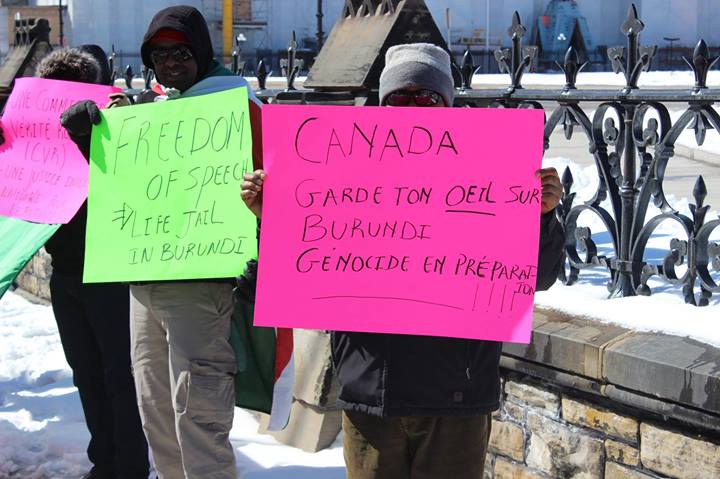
(516, 59)
(701, 65)
(262, 73)
(128, 76)
(632, 24)
(699, 194)
(290, 66)
(467, 70)
(571, 68)
(112, 66)
(634, 59)
(148, 75)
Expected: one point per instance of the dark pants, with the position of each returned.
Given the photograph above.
(444, 447)
(94, 325)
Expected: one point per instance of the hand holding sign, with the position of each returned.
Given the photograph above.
(251, 191)
(79, 119)
(551, 189)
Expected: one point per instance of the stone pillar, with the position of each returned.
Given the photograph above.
(35, 277)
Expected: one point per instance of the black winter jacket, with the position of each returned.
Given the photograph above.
(67, 245)
(401, 375)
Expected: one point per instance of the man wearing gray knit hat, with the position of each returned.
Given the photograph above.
(418, 407)
(419, 66)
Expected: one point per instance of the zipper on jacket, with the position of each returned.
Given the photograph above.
(467, 359)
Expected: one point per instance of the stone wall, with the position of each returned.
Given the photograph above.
(583, 400)
(542, 432)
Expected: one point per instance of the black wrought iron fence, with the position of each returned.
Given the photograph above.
(631, 156)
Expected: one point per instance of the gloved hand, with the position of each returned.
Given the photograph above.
(79, 118)
(146, 96)
(118, 99)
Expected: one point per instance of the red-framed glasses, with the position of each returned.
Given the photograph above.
(420, 98)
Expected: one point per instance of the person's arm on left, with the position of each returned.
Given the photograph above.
(78, 121)
(552, 235)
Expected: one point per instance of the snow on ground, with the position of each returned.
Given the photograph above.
(43, 436)
(42, 430)
(651, 79)
(661, 311)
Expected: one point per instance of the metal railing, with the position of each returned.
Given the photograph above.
(631, 156)
(631, 159)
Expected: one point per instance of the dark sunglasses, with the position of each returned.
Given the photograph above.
(421, 98)
(180, 54)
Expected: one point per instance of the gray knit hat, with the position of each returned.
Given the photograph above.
(421, 65)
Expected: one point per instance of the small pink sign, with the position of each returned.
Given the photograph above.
(400, 220)
(43, 175)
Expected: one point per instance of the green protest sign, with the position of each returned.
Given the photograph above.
(164, 197)
(19, 241)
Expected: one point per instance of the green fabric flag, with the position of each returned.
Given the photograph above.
(255, 358)
(19, 241)
(265, 368)
(164, 196)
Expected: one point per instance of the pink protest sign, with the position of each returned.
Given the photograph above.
(400, 220)
(43, 175)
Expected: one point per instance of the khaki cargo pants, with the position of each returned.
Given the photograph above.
(183, 367)
(446, 447)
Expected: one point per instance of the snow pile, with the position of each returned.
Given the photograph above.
(651, 79)
(659, 312)
(42, 430)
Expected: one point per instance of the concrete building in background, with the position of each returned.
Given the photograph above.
(265, 26)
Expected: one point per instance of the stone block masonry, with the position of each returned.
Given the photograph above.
(35, 277)
(541, 432)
